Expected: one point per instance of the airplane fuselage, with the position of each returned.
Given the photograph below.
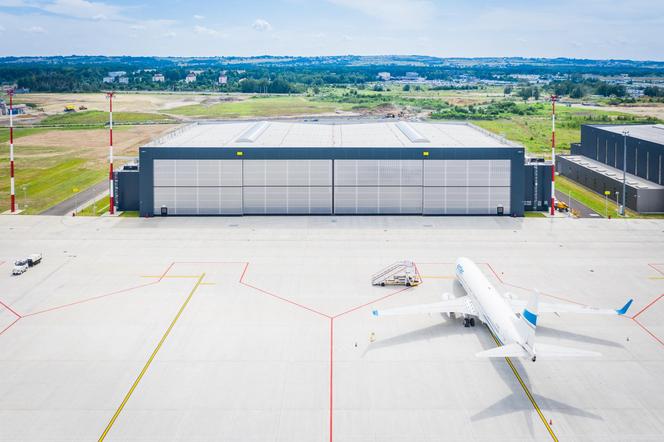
(492, 308)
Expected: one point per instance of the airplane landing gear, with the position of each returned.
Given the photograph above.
(534, 358)
(469, 322)
(472, 322)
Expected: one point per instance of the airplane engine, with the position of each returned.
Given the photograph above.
(449, 297)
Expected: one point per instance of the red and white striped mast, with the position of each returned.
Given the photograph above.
(111, 208)
(553, 153)
(11, 149)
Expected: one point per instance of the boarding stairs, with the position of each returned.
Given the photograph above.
(398, 273)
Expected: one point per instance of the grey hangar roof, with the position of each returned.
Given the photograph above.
(397, 134)
(647, 132)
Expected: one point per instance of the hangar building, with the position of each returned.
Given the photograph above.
(325, 168)
(597, 163)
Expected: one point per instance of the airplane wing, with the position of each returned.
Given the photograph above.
(457, 305)
(555, 352)
(541, 350)
(518, 306)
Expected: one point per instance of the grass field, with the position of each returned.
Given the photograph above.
(534, 215)
(50, 162)
(98, 208)
(590, 199)
(270, 106)
(101, 118)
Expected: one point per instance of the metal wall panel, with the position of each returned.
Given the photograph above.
(378, 172)
(164, 172)
(287, 172)
(467, 172)
(466, 200)
(281, 200)
(385, 200)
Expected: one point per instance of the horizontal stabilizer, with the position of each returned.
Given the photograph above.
(545, 307)
(555, 352)
(506, 351)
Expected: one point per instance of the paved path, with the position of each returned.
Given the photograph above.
(584, 211)
(69, 205)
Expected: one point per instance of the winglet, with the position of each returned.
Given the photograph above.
(623, 310)
(374, 312)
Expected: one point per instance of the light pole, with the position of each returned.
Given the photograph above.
(11, 151)
(624, 190)
(553, 153)
(111, 207)
(25, 196)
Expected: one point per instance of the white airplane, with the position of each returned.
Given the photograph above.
(513, 322)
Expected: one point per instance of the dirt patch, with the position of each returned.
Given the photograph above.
(92, 143)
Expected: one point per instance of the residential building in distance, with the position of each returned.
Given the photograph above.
(158, 78)
(223, 79)
(123, 80)
(384, 76)
(108, 79)
(191, 78)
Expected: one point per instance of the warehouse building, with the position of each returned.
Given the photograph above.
(597, 163)
(326, 168)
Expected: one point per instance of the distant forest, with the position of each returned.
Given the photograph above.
(298, 74)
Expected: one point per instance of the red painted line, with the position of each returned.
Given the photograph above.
(82, 301)
(331, 373)
(274, 295)
(286, 300)
(648, 306)
(168, 269)
(7, 328)
(654, 266)
(10, 309)
(246, 266)
(648, 331)
(389, 295)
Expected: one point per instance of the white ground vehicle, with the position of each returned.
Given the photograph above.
(34, 259)
(20, 267)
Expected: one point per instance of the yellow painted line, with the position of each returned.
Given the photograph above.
(530, 396)
(147, 364)
(656, 277)
(208, 283)
(173, 276)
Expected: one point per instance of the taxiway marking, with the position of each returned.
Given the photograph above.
(528, 394)
(152, 356)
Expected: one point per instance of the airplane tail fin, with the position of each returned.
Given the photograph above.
(528, 323)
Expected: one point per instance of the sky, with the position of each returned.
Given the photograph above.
(597, 29)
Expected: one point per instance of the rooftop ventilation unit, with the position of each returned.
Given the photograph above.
(413, 135)
(252, 134)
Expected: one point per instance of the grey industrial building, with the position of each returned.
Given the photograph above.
(326, 168)
(597, 163)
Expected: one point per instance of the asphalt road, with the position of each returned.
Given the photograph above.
(68, 205)
(583, 210)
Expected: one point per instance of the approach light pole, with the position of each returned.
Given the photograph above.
(111, 207)
(622, 207)
(553, 154)
(10, 92)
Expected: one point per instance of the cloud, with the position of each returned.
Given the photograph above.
(199, 17)
(138, 27)
(2, 28)
(408, 14)
(261, 25)
(35, 30)
(82, 9)
(202, 30)
(169, 34)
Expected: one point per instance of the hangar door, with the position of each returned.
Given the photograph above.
(466, 187)
(378, 187)
(198, 187)
(287, 187)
